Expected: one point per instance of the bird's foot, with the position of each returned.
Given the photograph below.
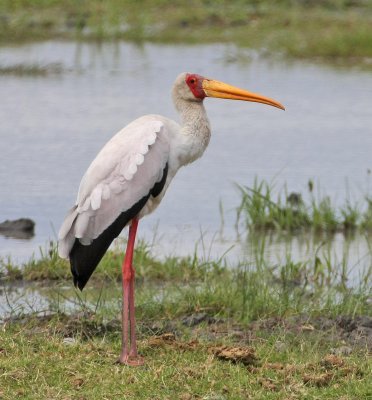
(131, 360)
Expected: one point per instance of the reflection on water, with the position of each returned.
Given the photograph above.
(53, 124)
(23, 235)
(17, 299)
(346, 259)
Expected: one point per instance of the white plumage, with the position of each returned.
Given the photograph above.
(124, 171)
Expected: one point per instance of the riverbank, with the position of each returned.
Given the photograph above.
(207, 331)
(330, 30)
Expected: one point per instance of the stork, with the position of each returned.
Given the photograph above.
(128, 179)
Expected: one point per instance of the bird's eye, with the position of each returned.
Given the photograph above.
(192, 80)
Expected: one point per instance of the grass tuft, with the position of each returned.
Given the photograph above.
(262, 211)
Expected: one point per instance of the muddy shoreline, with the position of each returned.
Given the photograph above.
(343, 334)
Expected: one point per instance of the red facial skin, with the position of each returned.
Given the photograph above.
(194, 82)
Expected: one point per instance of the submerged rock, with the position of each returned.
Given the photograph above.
(22, 228)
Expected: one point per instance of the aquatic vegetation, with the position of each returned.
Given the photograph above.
(254, 288)
(262, 210)
(34, 70)
(327, 30)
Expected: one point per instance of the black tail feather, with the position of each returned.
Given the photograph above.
(84, 259)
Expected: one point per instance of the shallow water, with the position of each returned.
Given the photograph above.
(17, 299)
(53, 125)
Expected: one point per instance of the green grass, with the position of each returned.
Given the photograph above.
(328, 30)
(36, 362)
(49, 266)
(262, 210)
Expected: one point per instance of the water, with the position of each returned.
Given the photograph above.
(53, 125)
(17, 299)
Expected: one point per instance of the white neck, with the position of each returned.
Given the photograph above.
(195, 130)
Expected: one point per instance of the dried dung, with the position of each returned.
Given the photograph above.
(268, 383)
(244, 355)
(161, 340)
(169, 339)
(274, 366)
(318, 380)
(331, 361)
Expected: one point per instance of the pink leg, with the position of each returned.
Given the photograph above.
(129, 357)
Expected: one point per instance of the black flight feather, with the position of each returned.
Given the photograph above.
(84, 259)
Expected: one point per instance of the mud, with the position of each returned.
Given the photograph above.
(84, 325)
(354, 331)
(343, 334)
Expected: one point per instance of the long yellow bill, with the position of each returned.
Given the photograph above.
(222, 90)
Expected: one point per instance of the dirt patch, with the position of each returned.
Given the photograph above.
(344, 333)
(84, 325)
(356, 332)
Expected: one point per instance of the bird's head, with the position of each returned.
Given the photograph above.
(194, 87)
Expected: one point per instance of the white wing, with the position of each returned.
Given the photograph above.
(124, 171)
